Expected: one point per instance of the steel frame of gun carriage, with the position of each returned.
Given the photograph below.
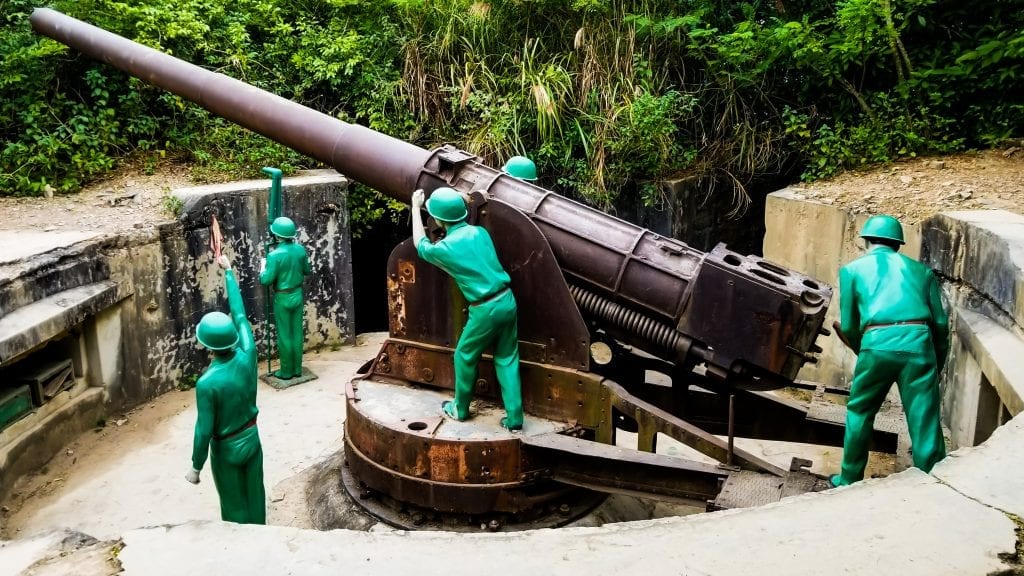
(724, 329)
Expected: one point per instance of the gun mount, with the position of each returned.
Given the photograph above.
(720, 327)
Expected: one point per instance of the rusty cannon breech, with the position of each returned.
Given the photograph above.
(744, 318)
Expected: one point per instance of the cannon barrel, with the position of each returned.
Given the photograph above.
(740, 315)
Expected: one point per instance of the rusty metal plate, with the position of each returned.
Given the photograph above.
(411, 447)
(441, 496)
(548, 391)
(744, 489)
(619, 470)
(396, 445)
(563, 506)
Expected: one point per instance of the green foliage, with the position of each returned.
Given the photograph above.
(644, 139)
(224, 150)
(50, 137)
(890, 135)
(171, 205)
(607, 96)
(187, 382)
(367, 206)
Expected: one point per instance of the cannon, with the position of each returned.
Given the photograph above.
(622, 331)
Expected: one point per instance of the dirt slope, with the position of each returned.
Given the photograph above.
(914, 189)
(910, 190)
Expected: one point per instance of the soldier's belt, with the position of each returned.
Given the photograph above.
(244, 427)
(900, 323)
(489, 298)
(287, 290)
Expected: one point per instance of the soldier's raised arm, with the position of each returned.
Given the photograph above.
(246, 341)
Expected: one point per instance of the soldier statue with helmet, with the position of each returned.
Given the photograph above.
(225, 427)
(891, 316)
(284, 269)
(521, 167)
(468, 255)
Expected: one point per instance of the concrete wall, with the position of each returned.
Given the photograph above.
(962, 519)
(177, 281)
(978, 257)
(699, 216)
(817, 239)
(174, 280)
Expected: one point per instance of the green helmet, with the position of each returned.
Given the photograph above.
(521, 167)
(885, 227)
(446, 204)
(283, 227)
(216, 331)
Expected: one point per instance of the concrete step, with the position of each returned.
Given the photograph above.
(40, 264)
(34, 324)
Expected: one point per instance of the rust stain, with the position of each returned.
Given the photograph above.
(396, 300)
(407, 271)
(447, 462)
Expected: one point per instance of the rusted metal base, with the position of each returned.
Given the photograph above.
(397, 443)
(745, 489)
(566, 504)
(412, 467)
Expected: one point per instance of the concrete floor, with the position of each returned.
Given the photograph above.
(125, 486)
(912, 526)
(135, 475)
(132, 475)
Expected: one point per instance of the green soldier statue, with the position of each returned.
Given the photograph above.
(521, 167)
(892, 318)
(467, 254)
(226, 405)
(284, 269)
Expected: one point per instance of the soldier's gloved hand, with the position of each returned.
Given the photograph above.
(224, 262)
(417, 199)
(192, 476)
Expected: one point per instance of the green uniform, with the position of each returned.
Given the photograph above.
(879, 293)
(467, 254)
(225, 426)
(287, 264)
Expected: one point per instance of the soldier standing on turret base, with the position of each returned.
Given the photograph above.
(467, 254)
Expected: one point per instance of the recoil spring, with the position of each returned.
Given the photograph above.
(659, 335)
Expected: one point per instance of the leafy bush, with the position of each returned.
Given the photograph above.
(606, 95)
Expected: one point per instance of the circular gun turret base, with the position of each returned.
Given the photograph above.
(567, 505)
(411, 467)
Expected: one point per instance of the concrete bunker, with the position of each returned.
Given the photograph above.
(993, 356)
(975, 254)
(95, 324)
(580, 276)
